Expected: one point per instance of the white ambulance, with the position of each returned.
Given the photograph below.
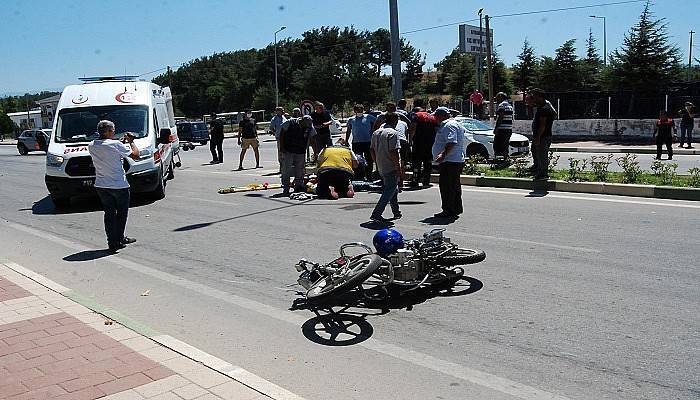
(142, 108)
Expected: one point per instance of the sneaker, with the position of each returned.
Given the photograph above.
(212, 162)
(239, 169)
(128, 240)
(258, 166)
(690, 147)
(380, 219)
(443, 214)
(398, 215)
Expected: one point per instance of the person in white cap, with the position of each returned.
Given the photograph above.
(448, 152)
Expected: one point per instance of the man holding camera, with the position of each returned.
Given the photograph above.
(110, 180)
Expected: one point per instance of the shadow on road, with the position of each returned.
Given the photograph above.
(206, 224)
(82, 204)
(88, 255)
(349, 325)
(438, 220)
(537, 193)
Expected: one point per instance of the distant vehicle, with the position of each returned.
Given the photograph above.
(33, 140)
(141, 108)
(190, 132)
(480, 140)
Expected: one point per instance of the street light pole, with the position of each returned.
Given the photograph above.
(480, 58)
(277, 90)
(396, 89)
(605, 40)
(690, 55)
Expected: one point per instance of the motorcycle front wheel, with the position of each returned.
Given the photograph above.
(460, 256)
(357, 271)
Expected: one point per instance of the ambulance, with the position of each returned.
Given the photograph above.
(141, 108)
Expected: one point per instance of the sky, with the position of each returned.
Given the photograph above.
(46, 45)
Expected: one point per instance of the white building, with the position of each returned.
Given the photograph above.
(20, 119)
(48, 108)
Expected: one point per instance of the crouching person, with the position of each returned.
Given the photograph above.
(335, 170)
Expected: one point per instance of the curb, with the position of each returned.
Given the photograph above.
(236, 373)
(618, 189)
(677, 151)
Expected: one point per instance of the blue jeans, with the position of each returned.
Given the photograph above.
(686, 131)
(115, 203)
(389, 194)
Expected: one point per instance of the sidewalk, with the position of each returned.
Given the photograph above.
(51, 347)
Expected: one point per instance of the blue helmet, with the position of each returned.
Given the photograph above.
(387, 241)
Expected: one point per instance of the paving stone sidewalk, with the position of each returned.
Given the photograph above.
(54, 348)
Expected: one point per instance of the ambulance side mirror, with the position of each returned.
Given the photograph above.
(164, 136)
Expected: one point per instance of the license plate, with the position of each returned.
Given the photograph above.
(88, 183)
(523, 149)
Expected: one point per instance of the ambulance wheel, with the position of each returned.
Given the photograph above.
(159, 193)
(171, 171)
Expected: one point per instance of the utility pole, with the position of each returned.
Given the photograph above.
(690, 55)
(170, 77)
(480, 57)
(489, 61)
(396, 89)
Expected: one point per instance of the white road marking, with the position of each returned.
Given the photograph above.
(505, 239)
(458, 371)
(226, 203)
(519, 192)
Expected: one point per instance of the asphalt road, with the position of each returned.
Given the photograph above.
(580, 297)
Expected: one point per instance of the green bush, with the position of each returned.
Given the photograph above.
(600, 165)
(553, 160)
(630, 168)
(471, 164)
(665, 172)
(694, 176)
(576, 170)
(520, 166)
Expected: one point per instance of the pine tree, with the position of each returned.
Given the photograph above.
(525, 71)
(591, 66)
(647, 60)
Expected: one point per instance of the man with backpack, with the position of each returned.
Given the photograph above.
(294, 140)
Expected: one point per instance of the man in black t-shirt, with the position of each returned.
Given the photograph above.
(216, 141)
(687, 122)
(541, 133)
(247, 137)
(322, 121)
(294, 140)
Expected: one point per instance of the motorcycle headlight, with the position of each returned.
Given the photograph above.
(54, 160)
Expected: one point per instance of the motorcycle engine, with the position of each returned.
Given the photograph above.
(406, 266)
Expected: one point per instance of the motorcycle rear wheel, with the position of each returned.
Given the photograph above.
(358, 270)
(461, 256)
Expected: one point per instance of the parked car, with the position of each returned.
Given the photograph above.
(33, 140)
(191, 132)
(480, 140)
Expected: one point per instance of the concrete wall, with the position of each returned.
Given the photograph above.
(598, 128)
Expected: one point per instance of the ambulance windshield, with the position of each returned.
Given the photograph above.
(80, 124)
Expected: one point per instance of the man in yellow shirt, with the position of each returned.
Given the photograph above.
(335, 169)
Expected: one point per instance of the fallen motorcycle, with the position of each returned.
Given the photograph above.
(428, 261)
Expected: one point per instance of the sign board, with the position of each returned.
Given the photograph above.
(469, 39)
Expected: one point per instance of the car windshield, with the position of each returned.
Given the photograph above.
(183, 128)
(80, 124)
(475, 125)
(199, 126)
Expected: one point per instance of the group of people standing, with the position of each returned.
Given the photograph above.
(665, 130)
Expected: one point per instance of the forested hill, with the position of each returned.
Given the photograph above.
(330, 64)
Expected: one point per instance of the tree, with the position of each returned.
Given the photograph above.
(525, 71)
(647, 60)
(6, 124)
(560, 73)
(591, 66)
(456, 74)
(502, 81)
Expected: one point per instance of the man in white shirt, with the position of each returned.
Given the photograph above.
(110, 181)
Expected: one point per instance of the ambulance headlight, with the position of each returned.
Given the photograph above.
(145, 153)
(53, 160)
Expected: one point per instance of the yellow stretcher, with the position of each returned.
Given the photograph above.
(250, 188)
